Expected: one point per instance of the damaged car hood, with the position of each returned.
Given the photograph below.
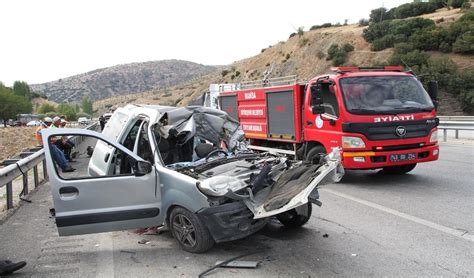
(267, 184)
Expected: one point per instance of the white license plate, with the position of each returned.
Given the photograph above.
(402, 157)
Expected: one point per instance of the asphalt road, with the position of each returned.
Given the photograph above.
(420, 224)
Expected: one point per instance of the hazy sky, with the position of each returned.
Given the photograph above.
(44, 40)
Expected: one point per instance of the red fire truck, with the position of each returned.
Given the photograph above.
(381, 117)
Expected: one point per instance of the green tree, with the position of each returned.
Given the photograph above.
(378, 15)
(12, 104)
(68, 111)
(87, 105)
(21, 88)
(45, 108)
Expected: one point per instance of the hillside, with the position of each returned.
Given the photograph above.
(122, 79)
(304, 56)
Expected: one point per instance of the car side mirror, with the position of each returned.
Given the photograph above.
(142, 168)
(433, 92)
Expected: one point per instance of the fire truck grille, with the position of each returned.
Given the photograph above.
(392, 130)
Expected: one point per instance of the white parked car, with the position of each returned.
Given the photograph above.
(84, 120)
(33, 123)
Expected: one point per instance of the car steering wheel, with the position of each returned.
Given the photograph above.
(214, 152)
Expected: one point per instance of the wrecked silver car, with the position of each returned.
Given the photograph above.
(188, 168)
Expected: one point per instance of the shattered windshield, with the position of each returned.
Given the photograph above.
(384, 95)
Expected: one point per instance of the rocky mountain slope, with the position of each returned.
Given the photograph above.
(122, 79)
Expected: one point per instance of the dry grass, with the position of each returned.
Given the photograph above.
(14, 139)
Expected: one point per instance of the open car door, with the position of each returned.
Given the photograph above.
(126, 196)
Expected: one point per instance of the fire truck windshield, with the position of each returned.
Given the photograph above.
(384, 95)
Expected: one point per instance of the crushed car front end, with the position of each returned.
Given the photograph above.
(241, 188)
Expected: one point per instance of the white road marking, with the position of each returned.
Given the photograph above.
(441, 228)
(105, 260)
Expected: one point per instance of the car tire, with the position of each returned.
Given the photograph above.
(296, 217)
(314, 153)
(398, 170)
(190, 232)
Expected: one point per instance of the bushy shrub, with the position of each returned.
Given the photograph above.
(413, 58)
(332, 51)
(347, 47)
(426, 39)
(413, 9)
(464, 43)
(403, 48)
(457, 3)
(440, 69)
(461, 84)
(382, 43)
(324, 25)
(338, 54)
(224, 73)
(420, 32)
(445, 47)
(339, 60)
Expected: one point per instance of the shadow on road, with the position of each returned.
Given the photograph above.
(376, 178)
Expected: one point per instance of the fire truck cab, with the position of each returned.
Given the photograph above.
(381, 117)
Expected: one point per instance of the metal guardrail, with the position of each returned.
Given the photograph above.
(456, 118)
(456, 126)
(21, 167)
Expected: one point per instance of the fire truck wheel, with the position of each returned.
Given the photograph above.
(398, 170)
(315, 153)
(296, 217)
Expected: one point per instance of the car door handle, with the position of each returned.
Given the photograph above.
(68, 192)
(309, 123)
(106, 158)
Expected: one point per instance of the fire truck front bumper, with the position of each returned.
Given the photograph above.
(380, 159)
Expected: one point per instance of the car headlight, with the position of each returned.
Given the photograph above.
(220, 185)
(352, 142)
(434, 136)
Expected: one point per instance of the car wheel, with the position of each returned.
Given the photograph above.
(190, 232)
(296, 217)
(398, 170)
(315, 153)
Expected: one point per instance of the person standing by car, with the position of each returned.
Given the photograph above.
(47, 121)
(102, 122)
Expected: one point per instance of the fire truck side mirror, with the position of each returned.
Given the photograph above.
(433, 92)
(316, 99)
(433, 89)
